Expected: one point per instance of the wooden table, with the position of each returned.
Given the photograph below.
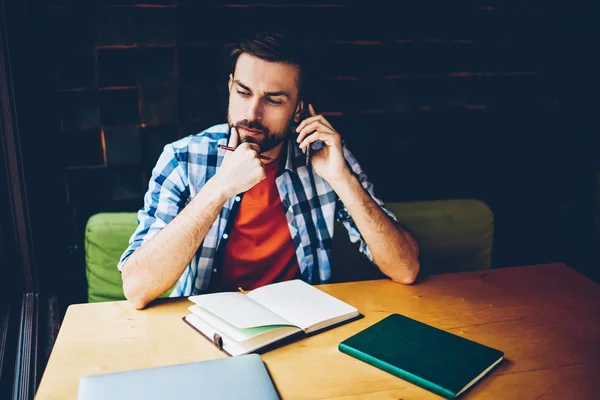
(545, 318)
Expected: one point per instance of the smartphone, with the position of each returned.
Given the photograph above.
(294, 135)
(303, 116)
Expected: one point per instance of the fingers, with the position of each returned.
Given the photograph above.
(312, 118)
(250, 146)
(234, 138)
(246, 149)
(310, 128)
(329, 138)
(253, 165)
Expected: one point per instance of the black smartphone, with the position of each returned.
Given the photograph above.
(294, 134)
(303, 116)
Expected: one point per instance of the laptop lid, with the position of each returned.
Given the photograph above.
(242, 377)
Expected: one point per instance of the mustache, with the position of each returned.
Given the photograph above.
(254, 125)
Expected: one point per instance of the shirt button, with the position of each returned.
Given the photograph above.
(225, 236)
(214, 270)
(237, 198)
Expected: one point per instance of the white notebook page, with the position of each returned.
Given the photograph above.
(239, 335)
(238, 309)
(302, 304)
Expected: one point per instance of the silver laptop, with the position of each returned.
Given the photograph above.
(242, 377)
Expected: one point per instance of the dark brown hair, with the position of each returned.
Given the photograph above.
(275, 47)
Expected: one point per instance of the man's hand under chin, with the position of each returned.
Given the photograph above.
(242, 169)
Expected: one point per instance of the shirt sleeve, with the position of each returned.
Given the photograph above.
(168, 193)
(342, 214)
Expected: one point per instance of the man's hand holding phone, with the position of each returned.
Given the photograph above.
(328, 162)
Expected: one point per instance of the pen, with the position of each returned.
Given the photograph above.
(222, 146)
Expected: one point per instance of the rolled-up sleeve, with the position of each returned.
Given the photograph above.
(342, 214)
(168, 193)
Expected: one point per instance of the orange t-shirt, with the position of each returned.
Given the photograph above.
(260, 248)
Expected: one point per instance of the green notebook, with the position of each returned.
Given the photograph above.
(436, 360)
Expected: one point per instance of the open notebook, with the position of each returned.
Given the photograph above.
(241, 323)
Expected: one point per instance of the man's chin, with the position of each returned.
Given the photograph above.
(252, 139)
(265, 145)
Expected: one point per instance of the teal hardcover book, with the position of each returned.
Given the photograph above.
(436, 360)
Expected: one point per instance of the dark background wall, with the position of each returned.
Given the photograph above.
(437, 99)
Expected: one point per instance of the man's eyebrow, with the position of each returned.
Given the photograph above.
(270, 94)
(278, 93)
(242, 85)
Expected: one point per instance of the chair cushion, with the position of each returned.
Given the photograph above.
(106, 238)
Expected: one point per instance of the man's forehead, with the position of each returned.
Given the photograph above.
(266, 76)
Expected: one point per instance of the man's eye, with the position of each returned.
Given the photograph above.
(276, 102)
(241, 93)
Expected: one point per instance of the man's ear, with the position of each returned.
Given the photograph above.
(230, 83)
(299, 111)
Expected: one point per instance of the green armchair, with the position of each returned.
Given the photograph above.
(453, 235)
(106, 238)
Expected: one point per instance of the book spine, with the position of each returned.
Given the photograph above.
(399, 372)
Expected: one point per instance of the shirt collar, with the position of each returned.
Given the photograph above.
(295, 158)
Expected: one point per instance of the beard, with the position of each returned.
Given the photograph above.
(266, 140)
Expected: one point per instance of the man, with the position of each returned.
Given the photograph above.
(218, 220)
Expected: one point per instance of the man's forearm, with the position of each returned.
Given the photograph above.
(155, 267)
(394, 250)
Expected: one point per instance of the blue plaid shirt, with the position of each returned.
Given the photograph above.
(310, 205)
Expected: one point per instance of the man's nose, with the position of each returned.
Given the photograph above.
(254, 110)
